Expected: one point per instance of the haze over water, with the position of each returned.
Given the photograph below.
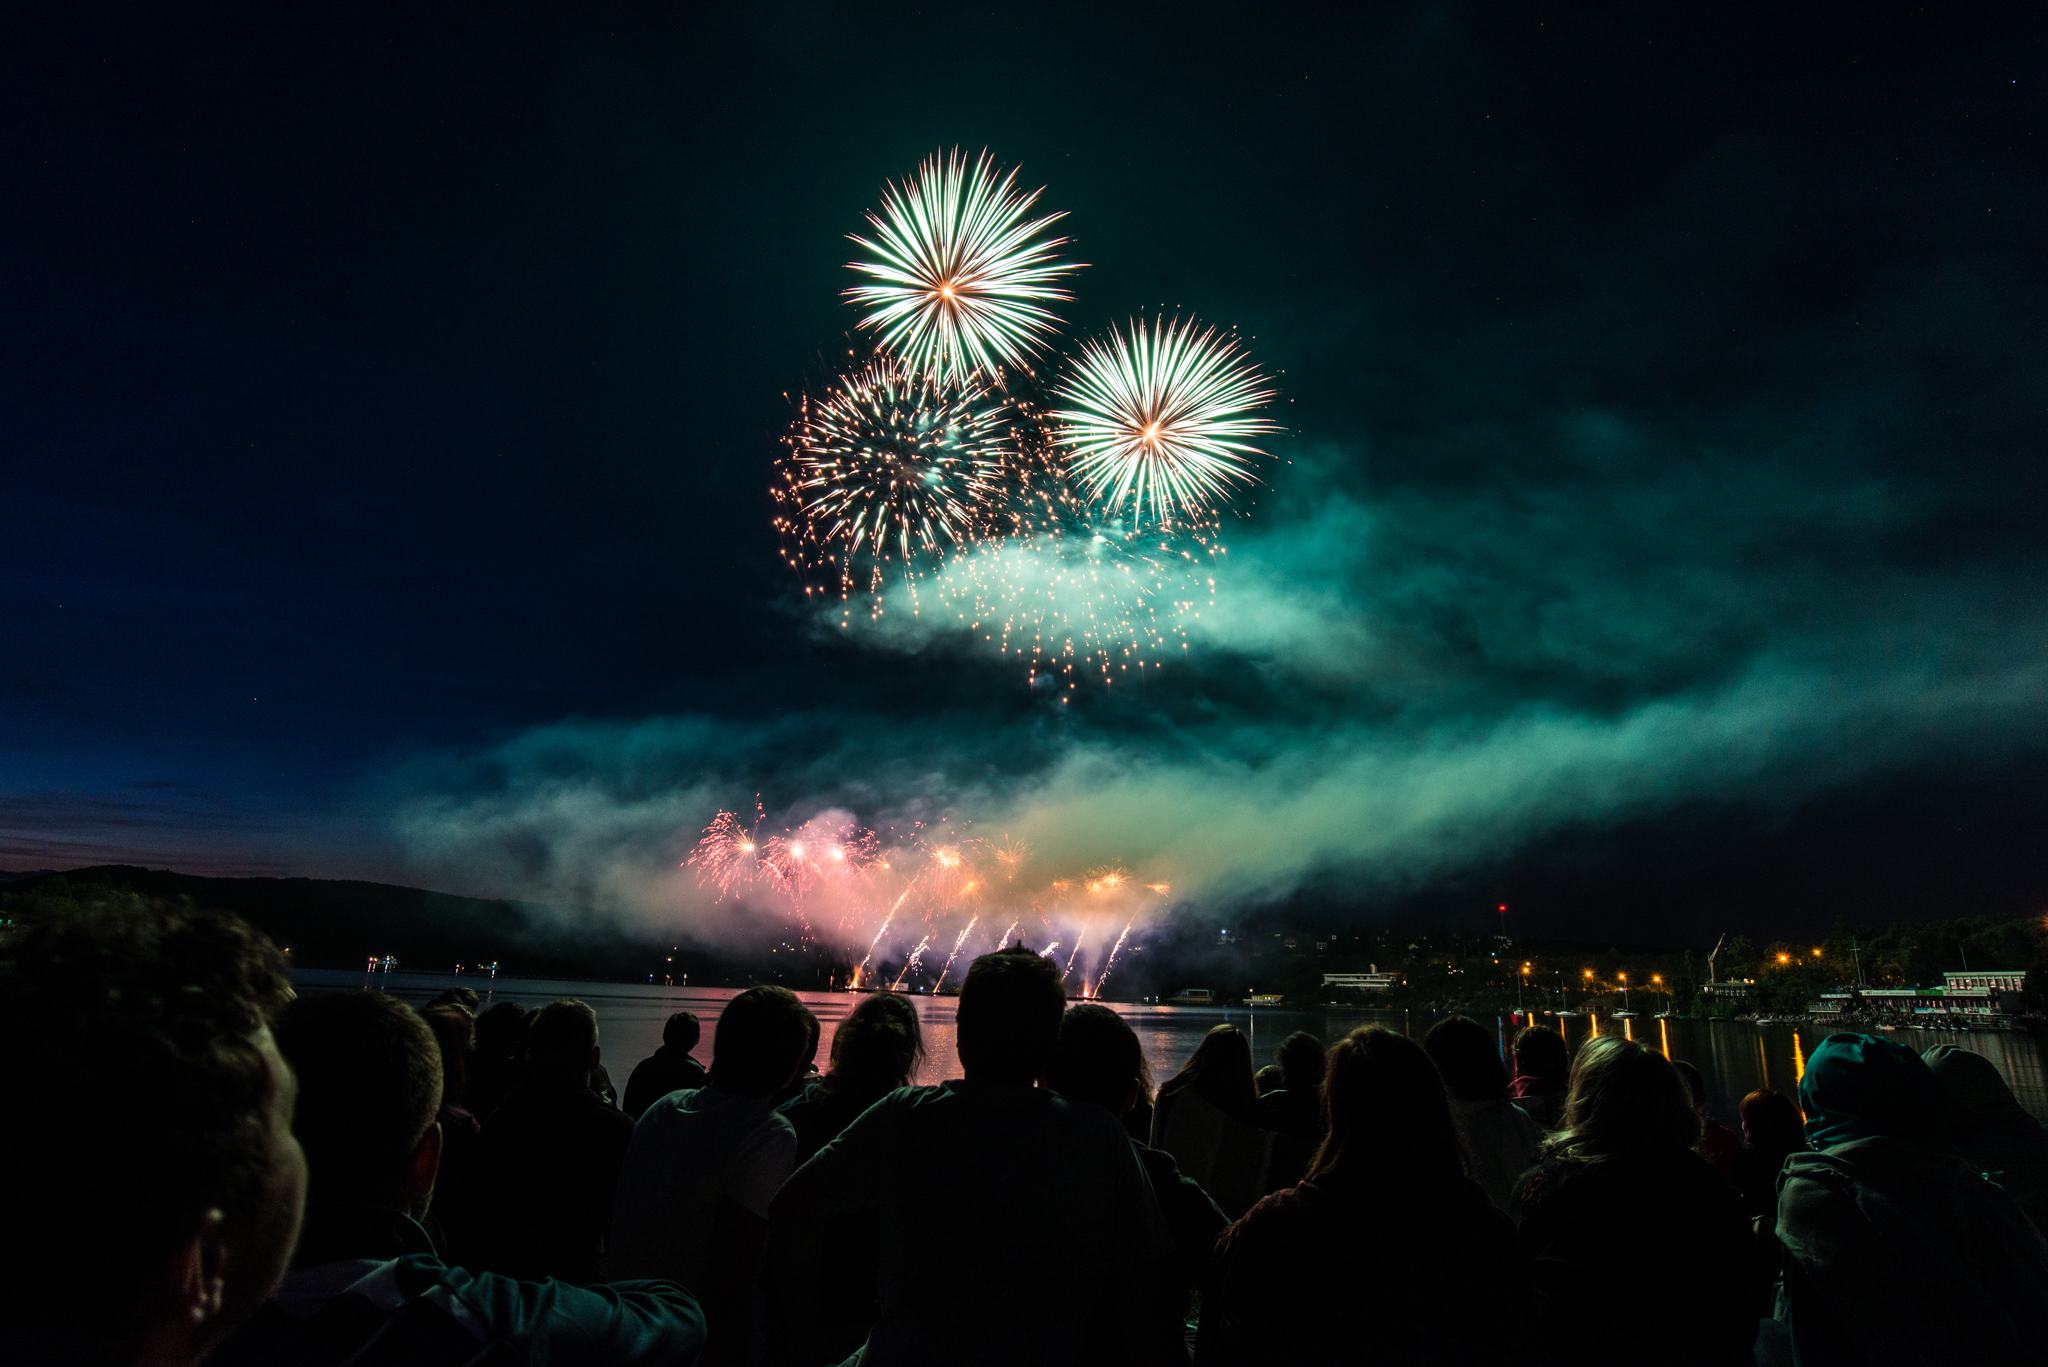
(1736, 1057)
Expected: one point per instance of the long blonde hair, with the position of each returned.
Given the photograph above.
(1623, 1099)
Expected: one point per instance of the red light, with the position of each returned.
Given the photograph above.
(1503, 906)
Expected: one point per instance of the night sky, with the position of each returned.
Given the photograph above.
(388, 397)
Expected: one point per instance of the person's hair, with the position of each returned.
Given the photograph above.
(1771, 1122)
(1008, 1023)
(1221, 1070)
(1303, 1060)
(1098, 1057)
(1695, 1083)
(1468, 1056)
(876, 1048)
(1387, 1111)
(501, 1031)
(1269, 1079)
(369, 1075)
(159, 1010)
(1542, 1053)
(559, 1038)
(455, 1031)
(682, 1032)
(759, 1042)
(1623, 1098)
(463, 997)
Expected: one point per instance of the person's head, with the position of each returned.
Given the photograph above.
(1269, 1079)
(464, 997)
(1008, 1023)
(369, 1073)
(1221, 1070)
(760, 1042)
(455, 1031)
(147, 1235)
(1540, 1052)
(561, 1044)
(876, 1047)
(1302, 1059)
(1974, 1095)
(1098, 1059)
(682, 1032)
(501, 1031)
(1623, 1099)
(1867, 1087)
(1468, 1056)
(1387, 1112)
(1772, 1123)
(1695, 1084)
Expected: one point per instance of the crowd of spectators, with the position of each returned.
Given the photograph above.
(344, 1179)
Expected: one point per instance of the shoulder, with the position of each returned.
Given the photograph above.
(636, 1321)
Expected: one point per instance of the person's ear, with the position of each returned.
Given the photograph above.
(594, 1055)
(426, 1166)
(1130, 1097)
(199, 1270)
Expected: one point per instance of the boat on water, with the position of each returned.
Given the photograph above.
(1265, 999)
(1624, 1015)
(1192, 996)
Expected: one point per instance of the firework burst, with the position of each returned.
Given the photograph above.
(1160, 421)
(728, 856)
(888, 466)
(957, 275)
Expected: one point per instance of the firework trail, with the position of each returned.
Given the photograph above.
(1160, 419)
(1110, 962)
(1004, 938)
(890, 466)
(1073, 954)
(854, 981)
(954, 955)
(1049, 951)
(910, 967)
(958, 277)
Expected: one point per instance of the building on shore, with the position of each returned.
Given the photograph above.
(1374, 981)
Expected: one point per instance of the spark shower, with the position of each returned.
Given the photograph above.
(1062, 509)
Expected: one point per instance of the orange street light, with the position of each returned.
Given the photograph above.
(1784, 958)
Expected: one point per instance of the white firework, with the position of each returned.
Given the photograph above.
(1161, 419)
(959, 276)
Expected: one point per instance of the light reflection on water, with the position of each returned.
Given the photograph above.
(1735, 1057)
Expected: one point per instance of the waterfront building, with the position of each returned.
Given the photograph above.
(1362, 982)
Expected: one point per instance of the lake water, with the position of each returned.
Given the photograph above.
(1735, 1057)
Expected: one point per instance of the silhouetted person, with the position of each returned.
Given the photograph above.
(1718, 1144)
(1501, 1141)
(1624, 1164)
(1989, 1127)
(692, 1204)
(1772, 1131)
(1268, 1080)
(1364, 1261)
(455, 1189)
(1897, 1249)
(548, 1158)
(1294, 1109)
(1207, 1117)
(1100, 1061)
(366, 1285)
(669, 1068)
(875, 1050)
(462, 997)
(146, 1233)
(499, 1063)
(1543, 1065)
(807, 1072)
(1010, 1216)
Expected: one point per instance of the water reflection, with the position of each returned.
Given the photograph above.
(1735, 1057)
